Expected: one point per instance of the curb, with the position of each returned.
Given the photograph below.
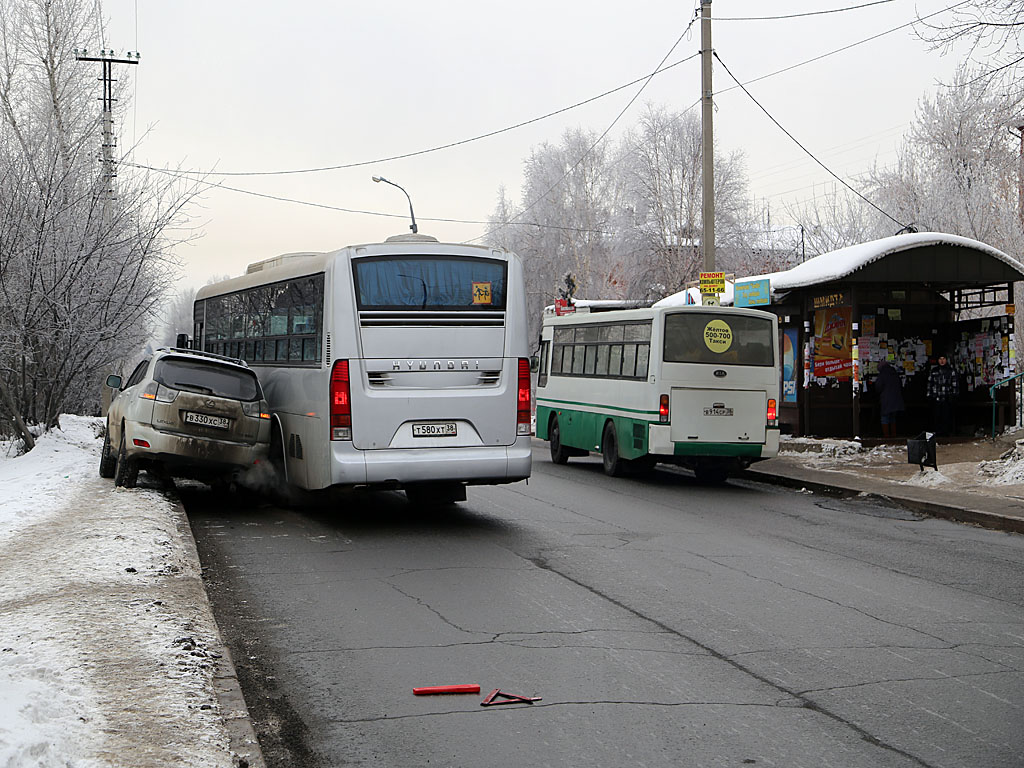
(243, 744)
(984, 519)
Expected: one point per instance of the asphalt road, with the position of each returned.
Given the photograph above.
(663, 623)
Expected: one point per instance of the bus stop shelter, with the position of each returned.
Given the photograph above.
(904, 300)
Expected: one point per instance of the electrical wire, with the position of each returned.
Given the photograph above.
(438, 148)
(847, 47)
(593, 146)
(279, 198)
(795, 141)
(801, 15)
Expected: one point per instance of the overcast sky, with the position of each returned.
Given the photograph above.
(258, 86)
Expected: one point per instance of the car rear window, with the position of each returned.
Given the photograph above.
(429, 282)
(208, 378)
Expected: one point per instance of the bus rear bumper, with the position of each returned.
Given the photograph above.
(659, 443)
(399, 467)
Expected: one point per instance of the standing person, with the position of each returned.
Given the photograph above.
(943, 389)
(890, 397)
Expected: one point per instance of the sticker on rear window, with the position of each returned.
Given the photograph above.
(481, 293)
(718, 336)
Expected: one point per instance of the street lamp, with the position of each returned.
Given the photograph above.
(411, 214)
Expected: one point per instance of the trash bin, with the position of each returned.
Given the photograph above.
(921, 450)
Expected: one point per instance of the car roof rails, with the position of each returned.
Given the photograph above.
(211, 355)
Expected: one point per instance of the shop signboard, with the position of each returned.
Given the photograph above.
(752, 293)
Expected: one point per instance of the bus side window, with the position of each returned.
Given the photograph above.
(542, 376)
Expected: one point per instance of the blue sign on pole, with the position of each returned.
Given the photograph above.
(753, 293)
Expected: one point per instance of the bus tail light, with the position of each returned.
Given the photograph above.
(524, 409)
(773, 413)
(341, 402)
(663, 410)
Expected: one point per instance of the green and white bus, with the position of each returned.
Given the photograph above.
(696, 386)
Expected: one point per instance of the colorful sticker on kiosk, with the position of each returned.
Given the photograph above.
(481, 293)
(718, 336)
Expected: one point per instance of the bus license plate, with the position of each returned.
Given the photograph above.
(718, 411)
(443, 429)
(220, 422)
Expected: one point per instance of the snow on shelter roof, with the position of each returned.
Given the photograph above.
(836, 265)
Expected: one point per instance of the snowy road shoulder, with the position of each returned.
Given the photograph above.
(105, 628)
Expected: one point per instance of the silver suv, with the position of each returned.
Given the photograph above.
(185, 413)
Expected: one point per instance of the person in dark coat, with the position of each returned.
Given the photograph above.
(890, 397)
(943, 388)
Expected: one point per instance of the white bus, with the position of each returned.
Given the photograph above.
(400, 364)
(695, 386)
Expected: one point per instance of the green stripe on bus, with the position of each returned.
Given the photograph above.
(585, 429)
(594, 405)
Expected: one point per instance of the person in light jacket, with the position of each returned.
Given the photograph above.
(943, 388)
(890, 397)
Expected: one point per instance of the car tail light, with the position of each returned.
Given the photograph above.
(663, 410)
(140, 443)
(341, 402)
(158, 392)
(524, 409)
(257, 409)
(773, 413)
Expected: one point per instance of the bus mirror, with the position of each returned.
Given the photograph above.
(534, 363)
(114, 381)
(182, 341)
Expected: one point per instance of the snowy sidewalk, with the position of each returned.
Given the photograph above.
(978, 481)
(109, 654)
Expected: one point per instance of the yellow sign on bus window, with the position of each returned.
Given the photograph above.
(481, 293)
(718, 336)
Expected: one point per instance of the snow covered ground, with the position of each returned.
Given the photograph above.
(108, 648)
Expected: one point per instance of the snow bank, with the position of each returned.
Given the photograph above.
(1008, 470)
(105, 630)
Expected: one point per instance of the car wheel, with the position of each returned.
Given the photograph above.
(614, 465)
(558, 453)
(108, 462)
(127, 471)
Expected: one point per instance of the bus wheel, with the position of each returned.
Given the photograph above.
(614, 465)
(711, 472)
(559, 455)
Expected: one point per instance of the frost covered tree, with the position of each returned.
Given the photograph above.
(992, 31)
(957, 170)
(663, 178)
(81, 275)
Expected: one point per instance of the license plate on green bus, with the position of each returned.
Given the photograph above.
(718, 411)
(438, 429)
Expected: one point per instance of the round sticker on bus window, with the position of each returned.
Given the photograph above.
(718, 336)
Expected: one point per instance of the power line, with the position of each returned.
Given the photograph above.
(794, 140)
(801, 15)
(438, 148)
(599, 138)
(279, 198)
(847, 47)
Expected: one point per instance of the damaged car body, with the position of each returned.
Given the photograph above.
(185, 413)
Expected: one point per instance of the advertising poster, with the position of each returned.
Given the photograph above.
(789, 342)
(832, 353)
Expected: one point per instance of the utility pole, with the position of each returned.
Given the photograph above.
(707, 143)
(107, 59)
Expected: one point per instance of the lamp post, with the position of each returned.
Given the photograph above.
(411, 214)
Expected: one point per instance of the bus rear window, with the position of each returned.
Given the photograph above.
(719, 339)
(429, 282)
